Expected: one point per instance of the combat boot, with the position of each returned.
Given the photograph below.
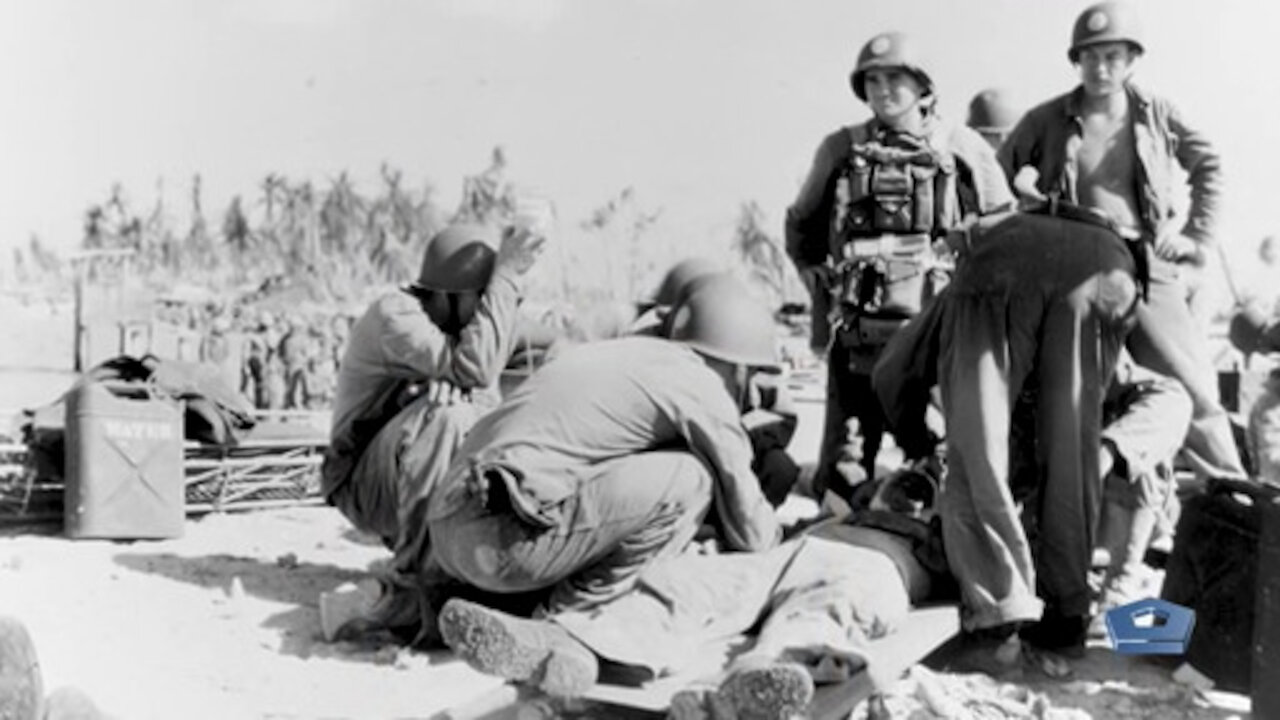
(537, 653)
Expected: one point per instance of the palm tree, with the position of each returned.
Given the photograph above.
(762, 254)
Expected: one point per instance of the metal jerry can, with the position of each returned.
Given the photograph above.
(125, 477)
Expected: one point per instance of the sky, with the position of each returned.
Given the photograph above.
(697, 105)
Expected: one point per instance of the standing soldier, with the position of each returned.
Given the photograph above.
(410, 368)
(861, 233)
(992, 115)
(1112, 147)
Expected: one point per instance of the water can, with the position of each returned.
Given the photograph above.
(124, 454)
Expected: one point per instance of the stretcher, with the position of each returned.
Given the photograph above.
(276, 465)
(926, 629)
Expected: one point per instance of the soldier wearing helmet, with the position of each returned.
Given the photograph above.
(862, 229)
(992, 114)
(677, 282)
(415, 367)
(1115, 149)
(608, 457)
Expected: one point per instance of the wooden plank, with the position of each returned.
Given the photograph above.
(927, 629)
(924, 630)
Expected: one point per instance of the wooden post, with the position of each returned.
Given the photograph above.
(78, 339)
(82, 264)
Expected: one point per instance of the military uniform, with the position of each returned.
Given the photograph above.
(605, 459)
(1167, 339)
(407, 392)
(1035, 295)
(1145, 418)
(864, 220)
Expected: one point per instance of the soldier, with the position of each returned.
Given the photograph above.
(1110, 146)
(1044, 295)
(992, 115)
(606, 459)
(675, 286)
(1255, 328)
(1145, 418)
(770, 416)
(861, 235)
(417, 364)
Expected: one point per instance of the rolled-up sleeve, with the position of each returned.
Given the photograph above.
(713, 429)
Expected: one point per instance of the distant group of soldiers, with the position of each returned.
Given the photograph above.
(278, 361)
(997, 273)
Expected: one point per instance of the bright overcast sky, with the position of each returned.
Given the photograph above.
(699, 105)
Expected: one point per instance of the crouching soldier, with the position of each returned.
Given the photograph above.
(861, 234)
(417, 370)
(609, 457)
(1145, 416)
(771, 416)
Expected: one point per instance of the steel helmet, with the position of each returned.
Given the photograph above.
(1247, 328)
(991, 111)
(458, 258)
(888, 50)
(676, 283)
(1105, 22)
(722, 320)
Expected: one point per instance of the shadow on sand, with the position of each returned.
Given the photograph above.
(296, 584)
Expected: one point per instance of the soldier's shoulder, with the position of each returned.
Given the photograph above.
(960, 138)
(1056, 106)
(841, 138)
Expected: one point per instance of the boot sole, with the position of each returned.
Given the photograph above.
(775, 692)
(498, 644)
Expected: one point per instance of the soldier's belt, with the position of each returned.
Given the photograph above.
(906, 247)
(867, 331)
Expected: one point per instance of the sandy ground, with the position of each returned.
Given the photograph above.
(224, 621)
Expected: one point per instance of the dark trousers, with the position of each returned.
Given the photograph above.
(853, 426)
(1047, 300)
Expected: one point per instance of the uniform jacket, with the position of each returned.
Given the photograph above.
(393, 345)
(982, 186)
(980, 183)
(1048, 138)
(603, 401)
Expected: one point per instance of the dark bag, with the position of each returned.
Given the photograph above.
(1266, 615)
(1213, 570)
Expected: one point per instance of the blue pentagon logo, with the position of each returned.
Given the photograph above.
(1150, 627)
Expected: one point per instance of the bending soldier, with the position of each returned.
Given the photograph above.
(861, 235)
(1048, 299)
